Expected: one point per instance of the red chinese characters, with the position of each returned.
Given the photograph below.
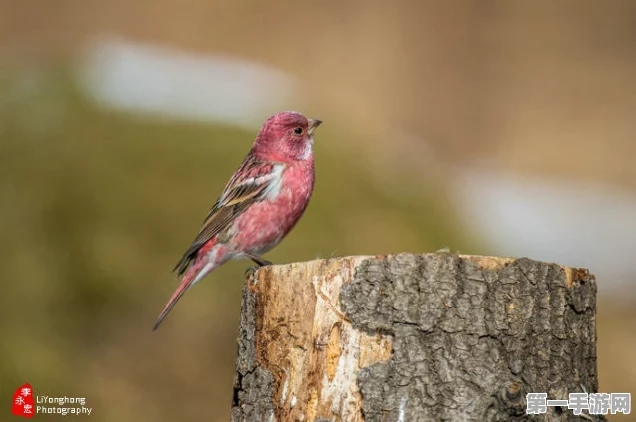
(23, 404)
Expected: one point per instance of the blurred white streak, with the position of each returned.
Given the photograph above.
(146, 78)
(590, 226)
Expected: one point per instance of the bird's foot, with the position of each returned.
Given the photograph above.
(249, 272)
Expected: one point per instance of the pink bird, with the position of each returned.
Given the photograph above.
(261, 203)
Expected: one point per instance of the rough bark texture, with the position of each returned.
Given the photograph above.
(434, 337)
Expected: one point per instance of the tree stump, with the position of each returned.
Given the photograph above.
(433, 337)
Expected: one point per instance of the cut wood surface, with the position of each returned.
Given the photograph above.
(413, 338)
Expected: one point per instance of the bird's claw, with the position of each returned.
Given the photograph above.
(250, 271)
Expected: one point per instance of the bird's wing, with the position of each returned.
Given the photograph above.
(249, 184)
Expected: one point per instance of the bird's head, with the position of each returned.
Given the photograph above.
(286, 136)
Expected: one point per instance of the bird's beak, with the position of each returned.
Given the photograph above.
(313, 124)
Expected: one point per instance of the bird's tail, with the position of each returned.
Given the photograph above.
(199, 269)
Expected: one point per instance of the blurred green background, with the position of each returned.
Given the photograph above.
(98, 200)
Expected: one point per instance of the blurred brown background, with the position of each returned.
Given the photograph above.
(492, 127)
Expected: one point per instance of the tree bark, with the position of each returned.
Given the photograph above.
(434, 337)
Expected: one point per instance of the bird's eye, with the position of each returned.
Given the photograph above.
(298, 131)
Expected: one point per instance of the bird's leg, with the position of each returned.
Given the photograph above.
(260, 261)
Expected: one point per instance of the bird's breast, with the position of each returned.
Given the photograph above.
(265, 223)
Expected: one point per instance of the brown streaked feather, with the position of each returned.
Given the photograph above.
(242, 190)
